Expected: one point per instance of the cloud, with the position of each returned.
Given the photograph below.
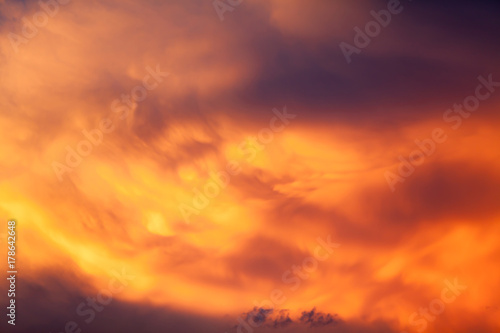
(313, 318)
(321, 176)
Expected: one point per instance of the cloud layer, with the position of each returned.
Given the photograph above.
(103, 158)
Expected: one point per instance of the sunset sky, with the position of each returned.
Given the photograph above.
(242, 166)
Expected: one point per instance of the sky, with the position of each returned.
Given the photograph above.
(227, 166)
